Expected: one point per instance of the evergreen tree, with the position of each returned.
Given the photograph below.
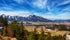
(49, 36)
(5, 25)
(36, 35)
(23, 32)
(1, 20)
(31, 36)
(42, 36)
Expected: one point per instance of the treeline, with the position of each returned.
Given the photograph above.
(62, 27)
(17, 30)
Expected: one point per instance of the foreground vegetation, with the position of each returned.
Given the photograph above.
(17, 30)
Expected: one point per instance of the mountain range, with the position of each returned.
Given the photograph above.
(31, 18)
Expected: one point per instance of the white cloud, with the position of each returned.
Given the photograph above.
(52, 16)
(16, 13)
(59, 16)
(48, 15)
(40, 3)
(64, 2)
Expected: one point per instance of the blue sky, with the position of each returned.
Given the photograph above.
(50, 9)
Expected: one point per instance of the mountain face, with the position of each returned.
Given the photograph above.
(30, 18)
(35, 18)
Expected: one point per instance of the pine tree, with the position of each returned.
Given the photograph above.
(49, 36)
(42, 36)
(31, 36)
(5, 24)
(23, 32)
(1, 20)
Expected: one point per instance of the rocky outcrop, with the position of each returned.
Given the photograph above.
(7, 38)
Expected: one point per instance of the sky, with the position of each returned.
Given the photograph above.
(49, 9)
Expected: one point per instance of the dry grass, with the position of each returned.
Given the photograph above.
(53, 33)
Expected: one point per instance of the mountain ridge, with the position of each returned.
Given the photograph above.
(32, 18)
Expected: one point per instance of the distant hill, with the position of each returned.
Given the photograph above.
(61, 20)
(30, 18)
